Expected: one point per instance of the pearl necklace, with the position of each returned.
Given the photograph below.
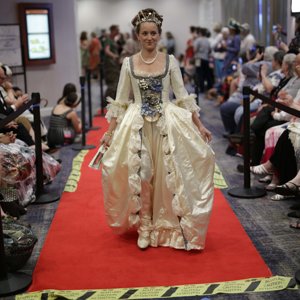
(148, 62)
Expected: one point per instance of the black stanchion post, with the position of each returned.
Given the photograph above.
(89, 89)
(246, 191)
(196, 86)
(83, 145)
(41, 195)
(246, 142)
(101, 89)
(101, 77)
(3, 269)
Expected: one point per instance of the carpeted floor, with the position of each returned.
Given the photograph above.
(80, 243)
(265, 221)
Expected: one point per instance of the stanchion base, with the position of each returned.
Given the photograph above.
(14, 283)
(248, 193)
(81, 147)
(93, 128)
(46, 198)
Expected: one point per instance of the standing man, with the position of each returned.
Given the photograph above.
(247, 42)
(202, 51)
(111, 62)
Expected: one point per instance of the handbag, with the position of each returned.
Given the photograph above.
(69, 135)
(19, 241)
(9, 201)
(97, 159)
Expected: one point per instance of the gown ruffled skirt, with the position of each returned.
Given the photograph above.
(158, 177)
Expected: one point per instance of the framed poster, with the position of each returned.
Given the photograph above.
(295, 7)
(10, 45)
(36, 21)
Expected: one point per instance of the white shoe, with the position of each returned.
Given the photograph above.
(143, 242)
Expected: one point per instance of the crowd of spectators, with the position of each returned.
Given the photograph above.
(216, 66)
(17, 143)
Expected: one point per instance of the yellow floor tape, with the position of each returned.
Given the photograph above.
(219, 180)
(271, 284)
(72, 182)
(73, 179)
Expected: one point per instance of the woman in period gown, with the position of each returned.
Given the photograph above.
(158, 168)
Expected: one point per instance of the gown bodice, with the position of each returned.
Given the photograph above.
(150, 92)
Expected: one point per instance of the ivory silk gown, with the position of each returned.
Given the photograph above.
(157, 174)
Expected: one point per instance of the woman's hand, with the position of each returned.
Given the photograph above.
(283, 46)
(205, 133)
(7, 138)
(21, 101)
(106, 139)
(285, 98)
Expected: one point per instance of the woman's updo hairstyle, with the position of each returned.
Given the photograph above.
(72, 99)
(68, 89)
(147, 15)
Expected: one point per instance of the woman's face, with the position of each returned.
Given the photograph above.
(285, 68)
(274, 64)
(297, 65)
(148, 35)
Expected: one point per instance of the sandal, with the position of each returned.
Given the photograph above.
(266, 179)
(278, 197)
(288, 189)
(295, 225)
(294, 214)
(260, 170)
(270, 187)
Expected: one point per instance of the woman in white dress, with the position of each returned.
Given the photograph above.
(158, 169)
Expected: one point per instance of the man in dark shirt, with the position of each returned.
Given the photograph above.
(6, 110)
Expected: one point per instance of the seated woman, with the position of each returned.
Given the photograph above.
(68, 89)
(268, 81)
(267, 116)
(9, 104)
(272, 134)
(284, 164)
(64, 122)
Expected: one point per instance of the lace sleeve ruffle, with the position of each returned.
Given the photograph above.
(189, 103)
(116, 109)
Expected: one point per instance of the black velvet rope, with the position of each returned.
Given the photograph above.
(16, 113)
(292, 111)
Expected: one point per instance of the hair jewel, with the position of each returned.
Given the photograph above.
(149, 17)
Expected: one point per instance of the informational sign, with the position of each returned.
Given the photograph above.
(10, 45)
(295, 7)
(38, 34)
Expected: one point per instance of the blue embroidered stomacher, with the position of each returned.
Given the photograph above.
(151, 94)
(150, 89)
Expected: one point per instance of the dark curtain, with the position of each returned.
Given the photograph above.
(261, 15)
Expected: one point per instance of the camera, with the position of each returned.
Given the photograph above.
(234, 67)
(257, 48)
(274, 28)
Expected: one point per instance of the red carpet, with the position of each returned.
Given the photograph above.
(81, 252)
